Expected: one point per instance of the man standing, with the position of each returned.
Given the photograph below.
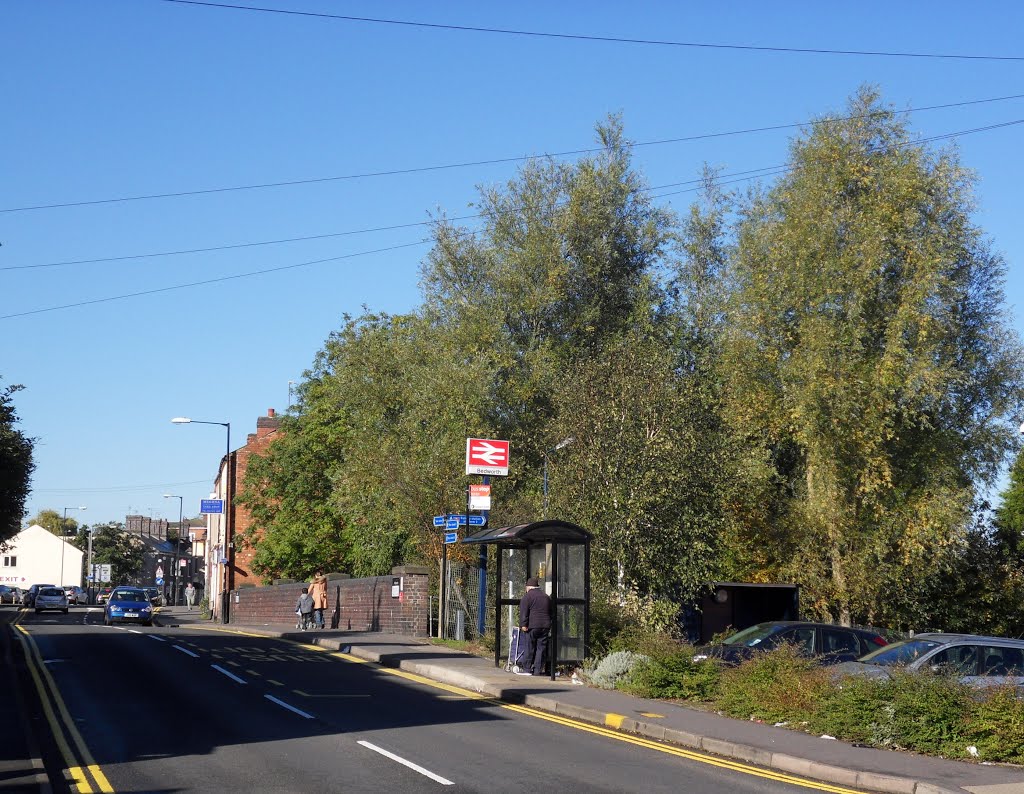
(190, 596)
(535, 623)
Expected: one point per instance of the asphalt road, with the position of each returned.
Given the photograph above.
(134, 709)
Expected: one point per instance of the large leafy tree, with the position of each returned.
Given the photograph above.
(123, 551)
(16, 466)
(867, 349)
(54, 521)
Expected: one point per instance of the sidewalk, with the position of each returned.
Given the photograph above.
(784, 750)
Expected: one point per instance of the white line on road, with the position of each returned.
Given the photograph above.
(220, 669)
(185, 650)
(415, 767)
(282, 704)
(156, 637)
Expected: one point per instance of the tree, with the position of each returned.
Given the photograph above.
(123, 551)
(868, 351)
(16, 466)
(54, 521)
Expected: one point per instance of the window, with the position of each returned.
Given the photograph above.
(838, 641)
(997, 660)
(959, 660)
(10, 562)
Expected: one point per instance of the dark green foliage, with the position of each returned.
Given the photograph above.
(674, 674)
(16, 466)
(995, 726)
(778, 686)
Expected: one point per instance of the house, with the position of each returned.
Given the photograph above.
(37, 556)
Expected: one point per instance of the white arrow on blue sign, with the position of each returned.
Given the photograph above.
(451, 537)
(452, 523)
(439, 521)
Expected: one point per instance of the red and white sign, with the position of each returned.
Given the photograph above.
(479, 497)
(486, 456)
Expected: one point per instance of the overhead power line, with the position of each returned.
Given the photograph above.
(478, 163)
(120, 488)
(204, 282)
(751, 174)
(604, 39)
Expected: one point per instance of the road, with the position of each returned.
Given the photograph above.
(138, 709)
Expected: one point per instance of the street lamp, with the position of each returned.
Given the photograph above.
(177, 547)
(63, 545)
(560, 445)
(228, 540)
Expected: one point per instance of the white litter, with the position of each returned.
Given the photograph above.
(826, 736)
(972, 751)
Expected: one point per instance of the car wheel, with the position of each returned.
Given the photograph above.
(38, 611)
(148, 623)
(65, 610)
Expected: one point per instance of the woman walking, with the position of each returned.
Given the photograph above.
(318, 589)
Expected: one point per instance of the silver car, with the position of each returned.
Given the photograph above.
(977, 661)
(51, 598)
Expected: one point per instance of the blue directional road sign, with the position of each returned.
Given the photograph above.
(439, 521)
(159, 580)
(451, 523)
(474, 521)
(451, 537)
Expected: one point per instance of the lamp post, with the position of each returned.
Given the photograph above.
(229, 543)
(177, 547)
(561, 444)
(63, 546)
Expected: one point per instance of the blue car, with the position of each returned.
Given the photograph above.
(128, 605)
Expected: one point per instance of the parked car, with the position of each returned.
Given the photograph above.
(10, 594)
(76, 595)
(52, 597)
(103, 594)
(975, 660)
(156, 598)
(128, 605)
(29, 599)
(828, 643)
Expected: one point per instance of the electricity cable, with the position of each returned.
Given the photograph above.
(478, 163)
(603, 39)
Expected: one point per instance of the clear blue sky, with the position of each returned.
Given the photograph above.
(116, 98)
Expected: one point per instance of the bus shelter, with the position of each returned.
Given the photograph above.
(558, 554)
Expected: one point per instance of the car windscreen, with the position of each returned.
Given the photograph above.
(752, 636)
(900, 652)
(51, 591)
(128, 595)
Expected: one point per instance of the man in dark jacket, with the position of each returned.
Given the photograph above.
(535, 623)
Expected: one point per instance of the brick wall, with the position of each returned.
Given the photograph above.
(352, 604)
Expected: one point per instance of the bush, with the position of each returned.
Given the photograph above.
(928, 712)
(675, 675)
(778, 686)
(614, 669)
(856, 709)
(996, 726)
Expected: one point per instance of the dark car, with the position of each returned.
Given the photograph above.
(128, 605)
(826, 642)
(29, 599)
(976, 660)
(103, 594)
(156, 598)
(10, 594)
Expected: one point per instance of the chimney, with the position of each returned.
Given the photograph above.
(265, 425)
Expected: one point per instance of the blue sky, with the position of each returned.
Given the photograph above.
(119, 98)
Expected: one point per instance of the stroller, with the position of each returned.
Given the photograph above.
(518, 646)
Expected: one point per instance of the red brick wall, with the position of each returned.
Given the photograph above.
(352, 604)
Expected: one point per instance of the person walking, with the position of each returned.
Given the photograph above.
(318, 590)
(190, 596)
(304, 609)
(535, 623)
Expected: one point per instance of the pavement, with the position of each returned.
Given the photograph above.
(793, 752)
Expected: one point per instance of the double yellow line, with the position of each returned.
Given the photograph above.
(83, 771)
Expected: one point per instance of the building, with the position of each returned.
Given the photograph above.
(226, 569)
(37, 556)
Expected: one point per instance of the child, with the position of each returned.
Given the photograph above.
(304, 609)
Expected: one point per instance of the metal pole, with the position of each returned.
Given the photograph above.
(481, 592)
(228, 539)
(544, 509)
(553, 654)
(63, 524)
(177, 548)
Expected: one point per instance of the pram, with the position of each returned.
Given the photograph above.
(518, 647)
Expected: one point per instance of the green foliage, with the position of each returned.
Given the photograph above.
(674, 674)
(868, 348)
(123, 551)
(995, 726)
(16, 466)
(780, 685)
